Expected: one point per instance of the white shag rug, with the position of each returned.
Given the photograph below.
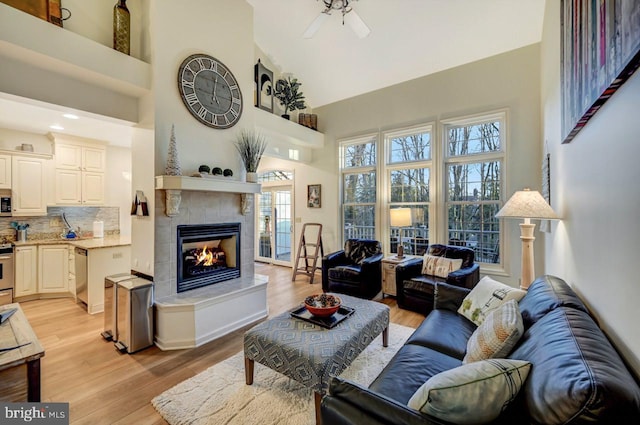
(219, 395)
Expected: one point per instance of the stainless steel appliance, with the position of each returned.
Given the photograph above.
(81, 274)
(6, 273)
(110, 332)
(134, 309)
(5, 205)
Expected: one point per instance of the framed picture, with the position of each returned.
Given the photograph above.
(313, 196)
(600, 50)
(264, 87)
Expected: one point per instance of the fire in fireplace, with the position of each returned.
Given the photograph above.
(207, 254)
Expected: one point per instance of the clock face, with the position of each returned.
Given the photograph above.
(210, 91)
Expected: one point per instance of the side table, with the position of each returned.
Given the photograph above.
(389, 265)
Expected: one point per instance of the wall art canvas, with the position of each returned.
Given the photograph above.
(313, 196)
(600, 50)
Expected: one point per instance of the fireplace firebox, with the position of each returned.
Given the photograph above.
(207, 254)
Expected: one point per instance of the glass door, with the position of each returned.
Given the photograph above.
(275, 225)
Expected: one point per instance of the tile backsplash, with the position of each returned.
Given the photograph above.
(51, 226)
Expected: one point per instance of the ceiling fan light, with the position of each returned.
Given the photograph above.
(357, 24)
(313, 28)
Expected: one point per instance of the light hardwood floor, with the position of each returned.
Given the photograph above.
(103, 386)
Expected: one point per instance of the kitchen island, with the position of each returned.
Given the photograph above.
(49, 267)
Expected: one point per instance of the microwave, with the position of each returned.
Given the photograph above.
(5, 205)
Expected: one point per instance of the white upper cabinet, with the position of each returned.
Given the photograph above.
(28, 177)
(5, 171)
(80, 171)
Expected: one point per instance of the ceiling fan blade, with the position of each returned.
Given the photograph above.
(357, 24)
(315, 25)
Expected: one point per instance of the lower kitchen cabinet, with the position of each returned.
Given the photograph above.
(26, 273)
(53, 270)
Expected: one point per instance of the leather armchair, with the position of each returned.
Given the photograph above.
(415, 291)
(356, 270)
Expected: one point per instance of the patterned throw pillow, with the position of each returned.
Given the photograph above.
(473, 393)
(440, 266)
(486, 296)
(497, 335)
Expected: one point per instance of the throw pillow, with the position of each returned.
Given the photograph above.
(440, 266)
(474, 393)
(497, 335)
(486, 296)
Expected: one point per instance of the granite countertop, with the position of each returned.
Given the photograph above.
(86, 243)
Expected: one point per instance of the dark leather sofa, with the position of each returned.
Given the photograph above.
(414, 290)
(355, 270)
(576, 377)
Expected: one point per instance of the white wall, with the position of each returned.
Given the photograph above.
(118, 184)
(594, 188)
(510, 80)
(94, 20)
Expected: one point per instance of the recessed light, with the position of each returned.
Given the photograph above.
(56, 127)
(71, 116)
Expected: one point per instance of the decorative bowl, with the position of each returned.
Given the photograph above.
(322, 305)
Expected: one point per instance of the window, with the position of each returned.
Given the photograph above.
(453, 187)
(358, 163)
(474, 160)
(408, 182)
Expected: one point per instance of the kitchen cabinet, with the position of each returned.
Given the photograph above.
(26, 271)
(72, 269)
(79, 172)
(28, 179)
(53, 268)
(5, 171)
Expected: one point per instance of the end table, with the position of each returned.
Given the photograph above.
(389, 265)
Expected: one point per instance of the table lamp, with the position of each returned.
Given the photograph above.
(400, 217)
(527, 204)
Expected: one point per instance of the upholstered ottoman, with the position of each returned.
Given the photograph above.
(311, 354)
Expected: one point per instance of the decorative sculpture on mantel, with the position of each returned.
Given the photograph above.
(173, 164)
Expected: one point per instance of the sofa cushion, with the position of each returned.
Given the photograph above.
(467, 255)
(577, 375)
(345, 273)
(497, 335)
(356, 250)
(545, 294)
(487, 295)
(445, 331)
(440, 266)
(474, 393)
(411, 367)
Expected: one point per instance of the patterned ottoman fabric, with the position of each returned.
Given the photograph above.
(311, 354)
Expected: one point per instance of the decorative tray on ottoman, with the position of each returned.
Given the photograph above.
(302, 313)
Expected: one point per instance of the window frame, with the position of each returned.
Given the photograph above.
(437, 164)
(502, 116)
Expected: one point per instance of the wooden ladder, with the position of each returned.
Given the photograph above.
(310, 259)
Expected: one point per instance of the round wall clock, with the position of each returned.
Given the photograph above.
(210, 91)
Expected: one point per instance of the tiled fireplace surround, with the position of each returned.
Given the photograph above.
(194, 317)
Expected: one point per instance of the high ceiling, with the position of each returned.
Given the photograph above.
(408, 39)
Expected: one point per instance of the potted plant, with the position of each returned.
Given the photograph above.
(286, 91)
(251, 146)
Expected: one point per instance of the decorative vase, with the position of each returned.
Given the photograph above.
(121, 27)
(286, 116)
(252, 177)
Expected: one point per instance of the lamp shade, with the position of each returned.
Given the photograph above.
(527, 204)
(401, 217)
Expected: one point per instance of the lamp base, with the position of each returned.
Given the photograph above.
(400, 252)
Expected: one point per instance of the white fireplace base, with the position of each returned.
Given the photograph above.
(193, 318)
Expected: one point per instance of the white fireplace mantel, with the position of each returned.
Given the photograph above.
(174, 185)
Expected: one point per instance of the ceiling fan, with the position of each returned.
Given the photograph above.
(348, 15)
